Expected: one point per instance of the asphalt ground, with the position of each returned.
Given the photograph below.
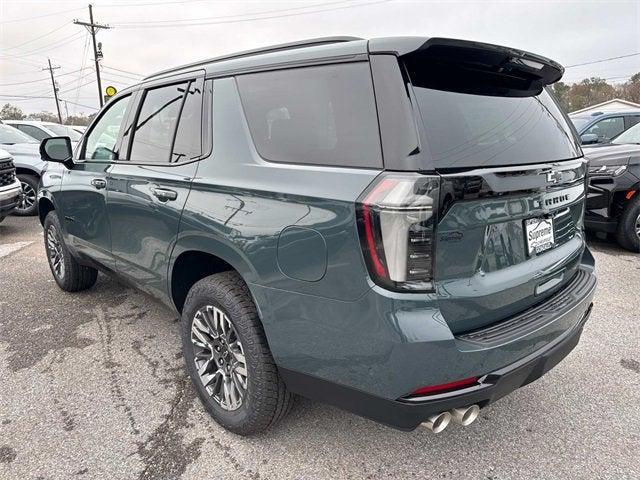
(93, 386)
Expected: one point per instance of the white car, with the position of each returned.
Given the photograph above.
(42, 130)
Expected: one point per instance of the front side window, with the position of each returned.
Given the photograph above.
(156, 125)
(323, 115)
(607, 128)
(102, 140)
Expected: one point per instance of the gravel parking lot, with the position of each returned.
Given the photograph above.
(92, 385)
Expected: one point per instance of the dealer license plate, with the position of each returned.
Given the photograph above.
(539, 234)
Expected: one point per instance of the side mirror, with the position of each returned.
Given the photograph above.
(57, 149)
(589, 138)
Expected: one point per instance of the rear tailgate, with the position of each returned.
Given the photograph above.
(489, 265)
(512, 178)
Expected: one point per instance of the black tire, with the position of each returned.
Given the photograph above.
(72, 277)
(266, 399)
(28, 207)
(628, 234)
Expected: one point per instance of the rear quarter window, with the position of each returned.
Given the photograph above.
(324, 115)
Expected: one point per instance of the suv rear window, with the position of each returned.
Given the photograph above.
(323, 115)
(472, 130)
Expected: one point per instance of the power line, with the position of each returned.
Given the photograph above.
(603, 60)
(248, 19)
(40, 16)
(17, 98)
(40, 50)
(39, 37)
(238, 15)
(22, 83)
(123, 71)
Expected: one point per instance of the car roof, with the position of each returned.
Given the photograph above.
(30, 122)
(332, 49)
(598, 115)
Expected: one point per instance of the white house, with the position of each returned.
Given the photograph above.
(615, 105)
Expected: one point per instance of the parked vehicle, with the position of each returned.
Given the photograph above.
(9, 185)
(78, 128)
(613, 202)
(41, 130)
(599, 128)
(29, 166)
(322, 232)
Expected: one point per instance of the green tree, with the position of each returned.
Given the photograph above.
(79, 119)
(43, 117)
(588, 92)
(561, 91)
(11, 112)
(630, 90)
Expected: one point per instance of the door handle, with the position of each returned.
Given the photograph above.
(164, 194)
(99, 183)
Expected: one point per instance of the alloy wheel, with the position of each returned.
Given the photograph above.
(27, 198)
(637, 227)
(56, 255)
(219, 357)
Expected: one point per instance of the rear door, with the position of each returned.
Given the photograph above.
(148, 191)
(512, 184)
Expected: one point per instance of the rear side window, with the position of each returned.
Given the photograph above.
(168, 125)
(32, 131)
(323, 115)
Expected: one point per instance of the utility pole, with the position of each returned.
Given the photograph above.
(55, 88)
(97, 54)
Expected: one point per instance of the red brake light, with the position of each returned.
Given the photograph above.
(445, 387)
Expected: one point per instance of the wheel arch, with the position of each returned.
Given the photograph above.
(198, 257)
(28, 171)
(45, 205)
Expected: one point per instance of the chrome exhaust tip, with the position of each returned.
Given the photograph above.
(465, 416)
(438, 422)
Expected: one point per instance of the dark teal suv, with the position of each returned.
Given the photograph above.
(393, 226)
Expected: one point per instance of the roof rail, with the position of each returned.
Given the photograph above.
(259, 51)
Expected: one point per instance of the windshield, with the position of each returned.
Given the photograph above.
(468, 130)
(630, 136)
(64, 131)
(579, 123)
(10, 135)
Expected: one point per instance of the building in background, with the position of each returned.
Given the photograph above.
(614, 105)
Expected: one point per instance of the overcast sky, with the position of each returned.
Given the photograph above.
(151, 35)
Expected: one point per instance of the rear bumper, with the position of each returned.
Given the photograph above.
(407, 414)
(374, 375)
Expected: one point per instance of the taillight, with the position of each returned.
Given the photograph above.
(396, 221)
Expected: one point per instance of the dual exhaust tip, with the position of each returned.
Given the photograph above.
(464, 416)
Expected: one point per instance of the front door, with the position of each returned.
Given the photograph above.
(82, 199)
(146, 193)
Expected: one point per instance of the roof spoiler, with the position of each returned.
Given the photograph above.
(472, 67)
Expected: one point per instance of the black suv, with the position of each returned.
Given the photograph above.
(613, 201)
